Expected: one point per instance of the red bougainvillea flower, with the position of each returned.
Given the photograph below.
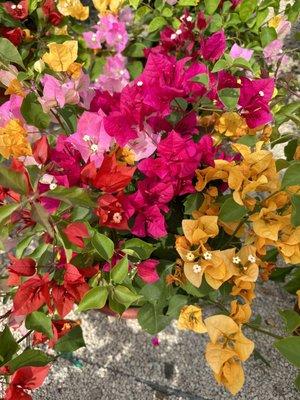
(32, 295)
(26, 378)
(17, 11)
(111, 212)
(15, 35)
(113, 176)
(72, 290)
(18, 268)
(41, 150)
(146, 270)
(50, 11)
(76, 232)
(213, 47)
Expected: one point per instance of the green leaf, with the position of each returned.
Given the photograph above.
(267, 35)
(6, 211)
(297, 382)
(248, 140)
(175, 305)
(103, 245)
(211, 6)
(97, 67)
(201, 78)
(33, 113)
(156, 23)
(8, 345)
(188, 3)
(41, 216)
(38, 321)
(141, 249)
(13, 180)
(231, 211)
(290, 149)
(293, 284)
(125, 296)
(229, 97)
(23, 245)
(246, 9)
(29, 358)
(219, 65)
(134, 3)
(291, 318)
(94, 298)
(135, 68)
(193, 202)
(136, 50)
(289, 347)
(74, 196)
(152, 319)
(33, 5)
(295, 200)
(120, 270)
(9, 53)
(291, 176)
(72, 341)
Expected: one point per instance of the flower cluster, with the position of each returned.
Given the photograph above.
(137, 163)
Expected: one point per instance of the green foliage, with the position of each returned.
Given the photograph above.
(291, 176)
(193, 202)
(295, 200)
(103, 245)
(120, 270)
(38, 321)
(8, 346)
(73, 196)
(13, 180)
(71, 341)
(9, 53)
(94, 298)
(33, 113)
(29, 357)
(289, 347)
(291, 318)
(231, 211)
(229, 97)
(138, 248)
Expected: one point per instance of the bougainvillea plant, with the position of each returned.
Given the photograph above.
(137, 172)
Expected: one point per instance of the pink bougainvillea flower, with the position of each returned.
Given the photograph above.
(11, 110)
(126, 15)
(113, 32)
(283, 29)
(92, 39)
(115, 76)
(17, 11)
(273, 52)
(155, 341)
(91, 139)
(213, 47)
(149, 222)
(240, 52)
(146, 270)
(254, 99)
(145, 144)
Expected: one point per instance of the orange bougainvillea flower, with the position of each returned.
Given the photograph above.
(217, 267)
(61, 55)
(15, 87)
(219, 172)
(108, 5)
(245, 290)
(240, 313)
(200, 230)
(13, 140)
(289, 244)
(231, 124)
(190, 318)
(228, 348)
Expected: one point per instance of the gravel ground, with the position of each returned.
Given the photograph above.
(120, 362)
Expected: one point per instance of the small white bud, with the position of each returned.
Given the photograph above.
(52, 186)
(236, 260)
(117, 217)
(139, 83)
(173, 36)
(94, 148)
(178, 32)
(261, 93)
(251, 258)
(197, 268)
(39, 66)
(207, 255)
(86, 138)
(190, 256)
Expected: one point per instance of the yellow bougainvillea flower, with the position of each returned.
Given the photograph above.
(275, 21)
(104, 5)
(244, 289)
(200, 230)
(217, 267)
(246, 262)
(227, 349)
(289, 244)
(240, 313)
(183, 248)
(15, 87)
(61, 55)
(219, 172)
(61, 30)
(73, 8)
(13, 140)
(231, 124)
(126, 155)
(190, 318)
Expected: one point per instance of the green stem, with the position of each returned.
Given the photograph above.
(256, 328)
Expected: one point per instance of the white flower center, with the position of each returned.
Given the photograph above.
(13, 7)
(189, 18)
(239, 81)
(120, 36)
(86, 138)
(19, 6)
(197, 268)
(52, 186)
(251, 258)
(117, 217)
(139, 83)
(261, 93)
(173, 36)
(190, 256)
(207, 255)
(178, 32)
(236, 260)
(94, 147)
